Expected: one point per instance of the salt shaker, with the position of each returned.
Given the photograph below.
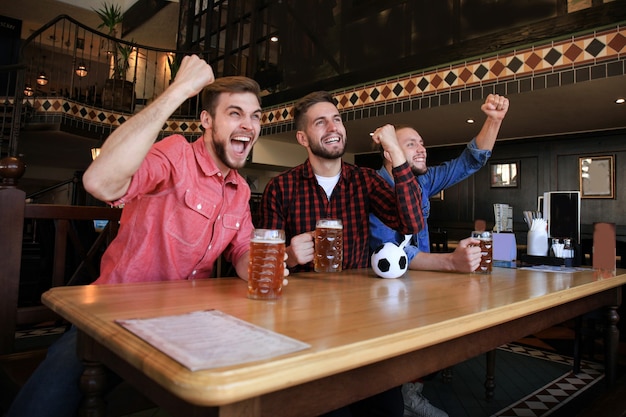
(568, 249)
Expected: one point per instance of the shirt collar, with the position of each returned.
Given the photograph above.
(207, 163)
(307, 171)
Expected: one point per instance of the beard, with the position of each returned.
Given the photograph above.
(220, 150)
(318, 150)
(418, 171)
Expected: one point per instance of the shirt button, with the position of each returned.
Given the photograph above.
(237, 224)
(194, 272)
(219, 174)
(199, 206)
(219, 217)
(210, 246)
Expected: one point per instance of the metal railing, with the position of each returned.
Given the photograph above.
(68, 60)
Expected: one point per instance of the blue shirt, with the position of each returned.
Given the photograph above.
(435, 179)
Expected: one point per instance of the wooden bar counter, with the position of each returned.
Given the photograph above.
(366, 334)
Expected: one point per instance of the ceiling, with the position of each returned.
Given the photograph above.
(581, 107)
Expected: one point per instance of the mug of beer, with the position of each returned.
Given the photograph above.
(328, 245)
(266, 267)
(486, 251)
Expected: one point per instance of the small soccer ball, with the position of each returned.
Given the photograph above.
(389, 261)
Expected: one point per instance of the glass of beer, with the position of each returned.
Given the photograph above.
(328, 245)
(486, 251)
(266, 267)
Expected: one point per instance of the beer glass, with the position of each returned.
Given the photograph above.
(266, 267)
(328, 245)
(486, 249)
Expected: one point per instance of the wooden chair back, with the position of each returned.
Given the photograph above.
(66, 234)
(480, 225)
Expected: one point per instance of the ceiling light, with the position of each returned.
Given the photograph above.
(470, 121)
(28, 90)
(42, 79)
(81, 70)
(274, 39)
(620, 101)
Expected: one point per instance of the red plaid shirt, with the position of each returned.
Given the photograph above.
(293, 201)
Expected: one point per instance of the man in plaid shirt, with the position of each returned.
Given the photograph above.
(325, 186)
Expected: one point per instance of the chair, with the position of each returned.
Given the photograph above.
(71, 256)
(480, 225)
(438, 241)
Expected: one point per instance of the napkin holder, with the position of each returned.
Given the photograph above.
(504, 250)
(504, 247)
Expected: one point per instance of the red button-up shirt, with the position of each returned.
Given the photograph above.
(179, 215)
(293, 201)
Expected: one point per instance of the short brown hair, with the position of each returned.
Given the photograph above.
(303, 105)
(234, 84)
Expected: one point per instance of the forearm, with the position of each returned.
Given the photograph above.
(425, 261)
(488, 134)
(108, 177)
(495, 108)
(408, 201)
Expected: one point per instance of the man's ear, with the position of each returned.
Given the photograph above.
(206, 120)
(302, 138)
(387, 156)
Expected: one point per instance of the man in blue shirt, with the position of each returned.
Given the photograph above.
(466, 257)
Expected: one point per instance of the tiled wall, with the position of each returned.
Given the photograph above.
(573, 60)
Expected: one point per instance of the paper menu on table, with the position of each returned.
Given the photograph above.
(211, 339)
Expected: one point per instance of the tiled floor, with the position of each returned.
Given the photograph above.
(529, 382)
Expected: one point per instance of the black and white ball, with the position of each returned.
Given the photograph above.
(389, 261)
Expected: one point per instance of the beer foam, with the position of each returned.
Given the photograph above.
(331, 226)
(268, 241)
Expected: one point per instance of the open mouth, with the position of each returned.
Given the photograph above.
(332, 140)
(240, 144)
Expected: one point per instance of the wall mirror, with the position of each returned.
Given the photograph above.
(504, 174)
(597, 176)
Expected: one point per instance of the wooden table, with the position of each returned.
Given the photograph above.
(366, 334)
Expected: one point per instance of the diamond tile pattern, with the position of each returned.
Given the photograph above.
(510, 69)
(549, 398)
(600, 48)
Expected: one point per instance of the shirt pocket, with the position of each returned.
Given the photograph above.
(191, 224)
(232, 221)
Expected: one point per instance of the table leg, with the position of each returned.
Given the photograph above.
(490, 385)
(611, 341)
(578, 329)
(92, 384)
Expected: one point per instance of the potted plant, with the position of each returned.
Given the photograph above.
(118, 93)
(174, 64)
(122, 62)
(187, 108)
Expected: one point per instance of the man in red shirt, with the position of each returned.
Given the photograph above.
(184, 205)
(327, 187)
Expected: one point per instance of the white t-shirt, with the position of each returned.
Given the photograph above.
(328, 183)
